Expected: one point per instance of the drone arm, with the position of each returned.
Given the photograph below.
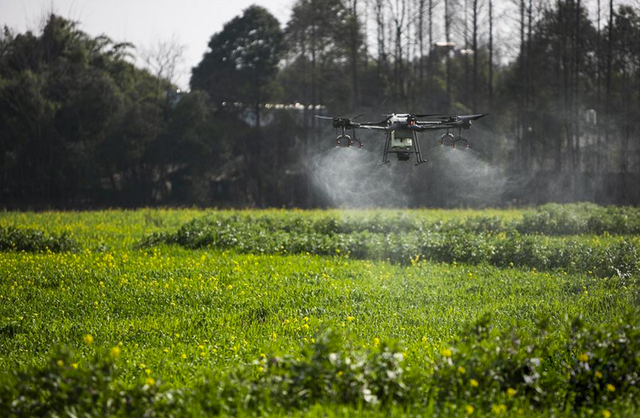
(371, 127)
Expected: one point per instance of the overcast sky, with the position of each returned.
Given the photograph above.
(142, 22)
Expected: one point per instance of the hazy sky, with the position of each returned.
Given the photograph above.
(142, 22)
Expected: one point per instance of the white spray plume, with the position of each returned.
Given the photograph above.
(351, 178)
(471, 180)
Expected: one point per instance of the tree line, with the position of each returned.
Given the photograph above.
(82, 126)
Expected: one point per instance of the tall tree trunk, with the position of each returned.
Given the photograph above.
(522, 156)
(624, 163)
(421, 12)
(381, 35)
(314, 72)
(447, 34)
(490, 84)
(354, 46)
(474, 46)
(529, 91)
(598, 107)
(576, 95)
(609, 76)
(465, 57)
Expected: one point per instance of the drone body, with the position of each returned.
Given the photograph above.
(402, 132)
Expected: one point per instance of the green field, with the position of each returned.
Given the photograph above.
(426, 312)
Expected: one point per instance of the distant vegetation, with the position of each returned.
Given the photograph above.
(33, 240)
(551, 237)
(84, 127)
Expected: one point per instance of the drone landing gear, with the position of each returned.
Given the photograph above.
(450, 139)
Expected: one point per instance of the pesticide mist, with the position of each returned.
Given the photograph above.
(470, 180)
(351, 177)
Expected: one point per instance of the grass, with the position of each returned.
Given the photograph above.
(205, 321)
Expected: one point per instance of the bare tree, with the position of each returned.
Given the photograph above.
(420, 22)
(475, 11)
(379, 11)
(490, 82)
(164, 58)
(448, 13)
(609, 74)
(354, 48)
(399, 14)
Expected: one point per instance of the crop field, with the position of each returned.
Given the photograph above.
(531, 312)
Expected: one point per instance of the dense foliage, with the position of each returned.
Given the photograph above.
(405, 237)
(33, 240)
(489, 370)
(112, 329)
(82, 125)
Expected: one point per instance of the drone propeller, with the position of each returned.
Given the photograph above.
(427, 115)
(472, 117)
(339, 117)
(459, 118)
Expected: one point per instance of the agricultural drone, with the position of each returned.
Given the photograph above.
(402, 132)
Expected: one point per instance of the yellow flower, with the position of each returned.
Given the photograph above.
(470, 409)
(598, 375)
(583, 357)
(150, 381)
(498, 409)
(60, 363)
(610, 388)
(115, 352)
(183, 356)
(447, 353)
(350, 318)
(511, 392)
(376, 342)
(88, 339)
(461, 370)
(474, 383)
(230, 287)
(424, 339)
(606, 413)
(74, 365)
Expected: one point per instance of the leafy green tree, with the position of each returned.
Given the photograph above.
(82, 125)
(242, 61)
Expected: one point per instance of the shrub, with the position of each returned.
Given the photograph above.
(329, 371)
(88, 388)
(33, 240)
(485, 368)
